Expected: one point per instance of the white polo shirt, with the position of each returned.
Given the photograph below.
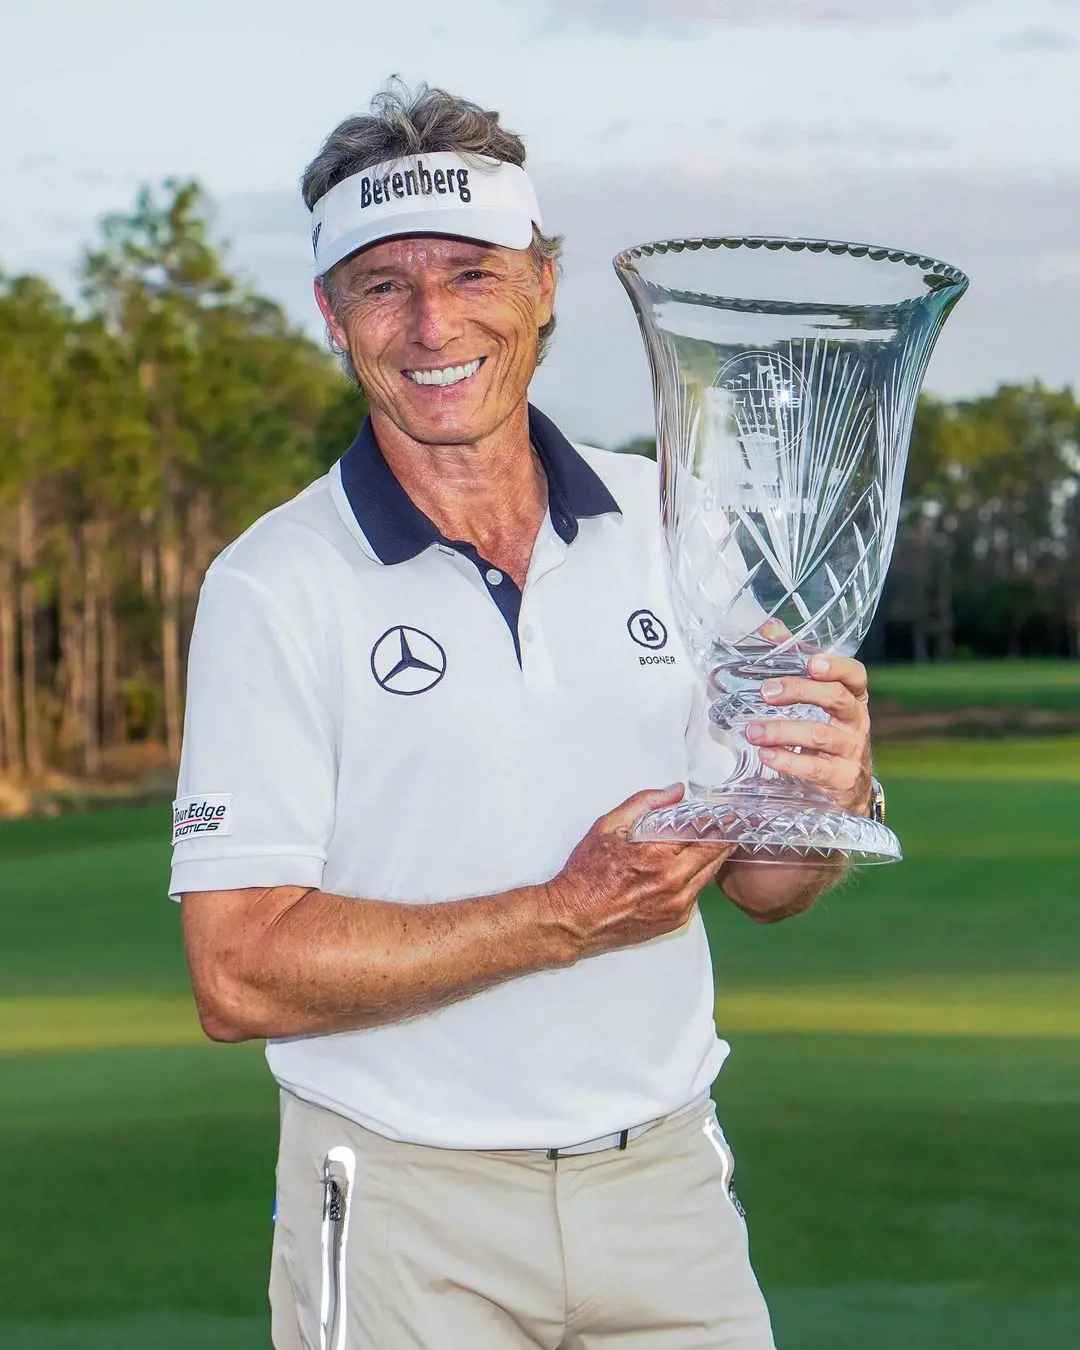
(379, 712)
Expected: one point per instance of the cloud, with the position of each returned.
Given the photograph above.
(1039, 40)
(1016, 323)
(679, 15)
(932, 79)
(880, 140)
(1014, 234)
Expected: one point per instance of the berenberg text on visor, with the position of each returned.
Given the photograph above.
(418, 182)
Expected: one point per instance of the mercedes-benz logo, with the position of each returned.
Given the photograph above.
(407, 661)
(646, 629)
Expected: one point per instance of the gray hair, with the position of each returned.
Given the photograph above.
(423, 121)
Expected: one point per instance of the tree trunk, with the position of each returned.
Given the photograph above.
(90, 719)
(11, 756)
(110, 669)
(147, 565)
(945, 597)
(169, 564)
(70, 684)
(28, 625)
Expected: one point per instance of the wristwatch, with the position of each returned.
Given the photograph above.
(877, 802)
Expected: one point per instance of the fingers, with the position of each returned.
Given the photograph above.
(690, 892)
(775, 630)
(629, 812)
(840, 777)
(830, 738)
(833, 755)
(835, 697)
(676, 865)
(844, 670)
(718, 856)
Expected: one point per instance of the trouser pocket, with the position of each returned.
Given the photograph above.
(339, 1175)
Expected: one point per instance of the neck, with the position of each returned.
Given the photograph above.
(491, 494)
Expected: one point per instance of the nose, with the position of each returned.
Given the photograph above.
(434, 318)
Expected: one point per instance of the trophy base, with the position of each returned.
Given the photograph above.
(773, 829)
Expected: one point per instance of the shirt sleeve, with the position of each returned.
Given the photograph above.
(256, 789)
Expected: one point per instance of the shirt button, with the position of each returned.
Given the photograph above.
(528, 632)
(493, 576)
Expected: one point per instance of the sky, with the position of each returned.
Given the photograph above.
(948, 127)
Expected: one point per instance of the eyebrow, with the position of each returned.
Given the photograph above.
(455, 260)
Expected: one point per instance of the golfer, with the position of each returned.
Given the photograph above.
(428, 699)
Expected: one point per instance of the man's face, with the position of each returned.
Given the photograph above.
(442, 332)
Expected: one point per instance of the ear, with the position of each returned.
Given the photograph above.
(337, 333)
(545, 304)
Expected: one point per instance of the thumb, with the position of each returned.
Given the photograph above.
(627, 813)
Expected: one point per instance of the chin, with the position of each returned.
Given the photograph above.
(448, 426)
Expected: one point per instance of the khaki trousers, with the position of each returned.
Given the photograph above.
(381, 1245)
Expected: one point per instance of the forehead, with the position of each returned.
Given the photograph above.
(422, 252)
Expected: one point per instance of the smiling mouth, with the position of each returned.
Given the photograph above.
(448, 375)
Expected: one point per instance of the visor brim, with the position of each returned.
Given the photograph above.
(505, 229)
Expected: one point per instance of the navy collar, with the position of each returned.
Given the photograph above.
(398, 530)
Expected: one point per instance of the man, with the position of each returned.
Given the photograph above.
(418, 733)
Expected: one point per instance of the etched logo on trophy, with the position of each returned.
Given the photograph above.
(760, 399)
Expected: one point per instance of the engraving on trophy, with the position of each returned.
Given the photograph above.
(765, 389)
(759, 398)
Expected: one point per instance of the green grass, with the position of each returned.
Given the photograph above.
(908, 1134)
(963, 684)
(1041, 759)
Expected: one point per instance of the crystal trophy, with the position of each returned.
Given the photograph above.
(785, 377)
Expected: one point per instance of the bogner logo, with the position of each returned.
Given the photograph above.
(418, 182)
(648, 631)
(195, 817)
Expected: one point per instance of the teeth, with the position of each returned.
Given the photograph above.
(450, 375)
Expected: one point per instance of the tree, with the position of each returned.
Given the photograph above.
(231, 397)
(34, 336)
(137, 436)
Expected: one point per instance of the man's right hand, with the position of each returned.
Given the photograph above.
(284, 961)
(616, 893)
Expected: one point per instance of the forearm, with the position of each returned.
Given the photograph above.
(308, 962)
(769, 892)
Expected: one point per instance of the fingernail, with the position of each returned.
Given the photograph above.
(767, 752)
(755, 731)
(819, 665)
(771, 688)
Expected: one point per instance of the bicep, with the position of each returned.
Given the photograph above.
(256, 790)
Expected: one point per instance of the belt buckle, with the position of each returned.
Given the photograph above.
(554, 1154)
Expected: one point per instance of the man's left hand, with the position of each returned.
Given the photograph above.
(833, 755)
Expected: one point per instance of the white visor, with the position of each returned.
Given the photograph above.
(474, 198)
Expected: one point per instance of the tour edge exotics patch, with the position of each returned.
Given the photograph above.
(205, 816)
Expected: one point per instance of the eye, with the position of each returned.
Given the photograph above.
(474, 274)
(380, 288)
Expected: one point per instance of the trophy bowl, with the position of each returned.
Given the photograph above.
(785, 377)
